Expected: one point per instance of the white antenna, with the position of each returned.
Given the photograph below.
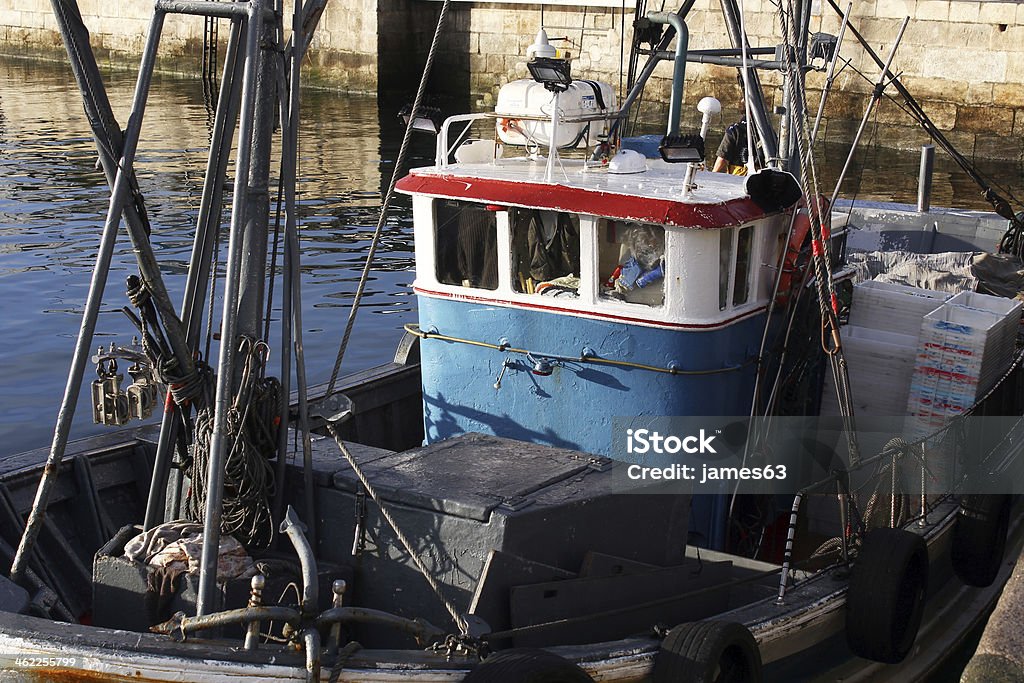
(708, 107)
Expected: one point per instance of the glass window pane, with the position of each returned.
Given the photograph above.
(545, 252)
(466, 244)
(631, 262)
(724, 266)
(741, 284)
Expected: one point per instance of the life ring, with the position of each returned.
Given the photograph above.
(979, 538)
(526, 665)
(792, 271)
(706, 651)
(885, 599)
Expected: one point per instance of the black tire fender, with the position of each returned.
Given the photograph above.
(979, 538)
(886, 596)
(526, 665)
(708, 652)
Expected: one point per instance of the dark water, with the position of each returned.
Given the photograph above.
(53, 205)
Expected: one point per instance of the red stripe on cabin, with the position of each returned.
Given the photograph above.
(580, 200)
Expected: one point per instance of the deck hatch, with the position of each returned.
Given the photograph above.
(468, 476)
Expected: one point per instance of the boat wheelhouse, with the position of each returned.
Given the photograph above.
(529, 328)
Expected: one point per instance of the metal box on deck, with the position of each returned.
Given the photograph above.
(459, 499)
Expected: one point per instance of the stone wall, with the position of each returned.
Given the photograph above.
(963, 60)
(356, 41)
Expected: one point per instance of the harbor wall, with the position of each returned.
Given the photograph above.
(357, 44)
(963, 60)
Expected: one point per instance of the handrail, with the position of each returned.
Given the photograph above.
(587, 355)
(441, 158)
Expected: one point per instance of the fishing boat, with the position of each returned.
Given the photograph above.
(476, 510)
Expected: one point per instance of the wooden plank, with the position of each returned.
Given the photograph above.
(501, 572)
(672, 587)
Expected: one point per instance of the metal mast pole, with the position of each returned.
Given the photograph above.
(118, 197)
(769, 142)
(206, 600)
(207, 227)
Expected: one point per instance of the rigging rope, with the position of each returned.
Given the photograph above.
(399, 166)
(821, 257)
(449, 607)
(403, 152)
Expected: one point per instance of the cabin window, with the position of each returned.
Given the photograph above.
(631, 262)
(734, 265)
(724, 266)
(545, 252)
(466, 244)
(741, 280)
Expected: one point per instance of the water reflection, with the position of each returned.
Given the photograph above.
(53, 203)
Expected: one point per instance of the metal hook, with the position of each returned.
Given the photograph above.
(504, 366)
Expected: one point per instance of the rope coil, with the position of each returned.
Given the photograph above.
(252, 427)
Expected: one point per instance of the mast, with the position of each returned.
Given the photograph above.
(754, 94)
(254, 77)
(237, 314)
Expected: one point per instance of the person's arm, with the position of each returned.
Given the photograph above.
(726, 151)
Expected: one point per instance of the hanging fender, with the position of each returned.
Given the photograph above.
(792, 270)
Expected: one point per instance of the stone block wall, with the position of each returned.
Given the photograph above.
(357, 40)
(963, 60)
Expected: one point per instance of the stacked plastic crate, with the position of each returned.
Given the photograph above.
(880, 346)
(965, 345)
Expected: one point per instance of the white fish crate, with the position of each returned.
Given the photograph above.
(1009, 311)
(892, 307)
(964, 347)
(875, 359)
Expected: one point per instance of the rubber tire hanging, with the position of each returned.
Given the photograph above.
(526, 665)
(885, 600)
(979, 538)
(706, 652)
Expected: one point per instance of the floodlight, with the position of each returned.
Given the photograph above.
(677, 149)
(552, 73)
(427, 119)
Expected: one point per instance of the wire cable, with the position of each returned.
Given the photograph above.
(400, 163)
